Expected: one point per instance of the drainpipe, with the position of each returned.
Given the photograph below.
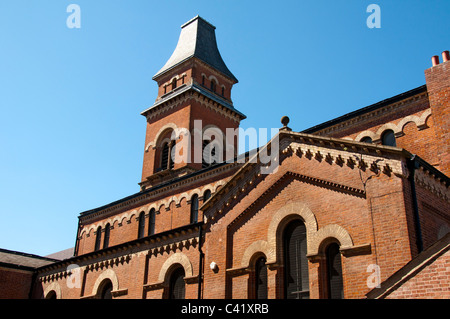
(413, 164)
(200, 267)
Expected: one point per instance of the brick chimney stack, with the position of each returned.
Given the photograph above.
(438, 86)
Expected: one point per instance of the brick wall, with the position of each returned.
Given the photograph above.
(15, 283)
(430, 283)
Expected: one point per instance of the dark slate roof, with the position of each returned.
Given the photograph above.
(19, 260)
(63, 254)
(367, 109)
(197, 39)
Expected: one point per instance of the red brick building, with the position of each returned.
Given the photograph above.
(330, 212)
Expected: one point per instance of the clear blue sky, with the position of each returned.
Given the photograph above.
(71, 133)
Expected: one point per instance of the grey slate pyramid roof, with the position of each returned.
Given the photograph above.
(197, 39)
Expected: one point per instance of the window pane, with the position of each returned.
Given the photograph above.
(388, 138)
(141, 225)
(165, 156)
(194, 209)
(98, 238)
(261, 278)
(296, 263)
(151, 222)
(334, 268)
(366, 140)
(206, 195)
(177, 285)
(106, 291)
(106, 239)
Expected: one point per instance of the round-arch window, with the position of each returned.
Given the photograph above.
(51, 295)
(194, 209)
(261, 278)
(366, 140)
(334, 272)
(296, 277)
(177, 285)
(106, 290)
(388, 138)
(206, 195)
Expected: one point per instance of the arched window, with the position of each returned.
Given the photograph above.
(206, 195)
(209, 157)
(165, 156)
(334, 272)
(296, 277)
(205, 157)
(98, 238)
(106, 289)
(366, 139)
(223, 91)
(174, 84)
(141, 227)
(51, 295)
(194, 208)
(261, 278)
(177, 285)
(203, 80)
(166, 160)
(151, 221)
(388, 138)
(106, 239)
(213, 85)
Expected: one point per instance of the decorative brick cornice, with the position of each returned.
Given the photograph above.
(188, 92)
(434, 184)
(168, 242)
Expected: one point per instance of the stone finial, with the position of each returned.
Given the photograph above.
(285, 122)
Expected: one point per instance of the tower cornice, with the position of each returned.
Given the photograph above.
(198, 93)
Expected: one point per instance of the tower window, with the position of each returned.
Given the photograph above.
(208, 155)
(203, 80)
(213, 85)
(166, 160)
(223, 91)
(174, 84)
(388, 138)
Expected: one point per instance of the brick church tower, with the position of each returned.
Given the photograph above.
(367, 191)
(194, 95)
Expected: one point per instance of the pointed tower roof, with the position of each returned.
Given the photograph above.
(197, 39)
